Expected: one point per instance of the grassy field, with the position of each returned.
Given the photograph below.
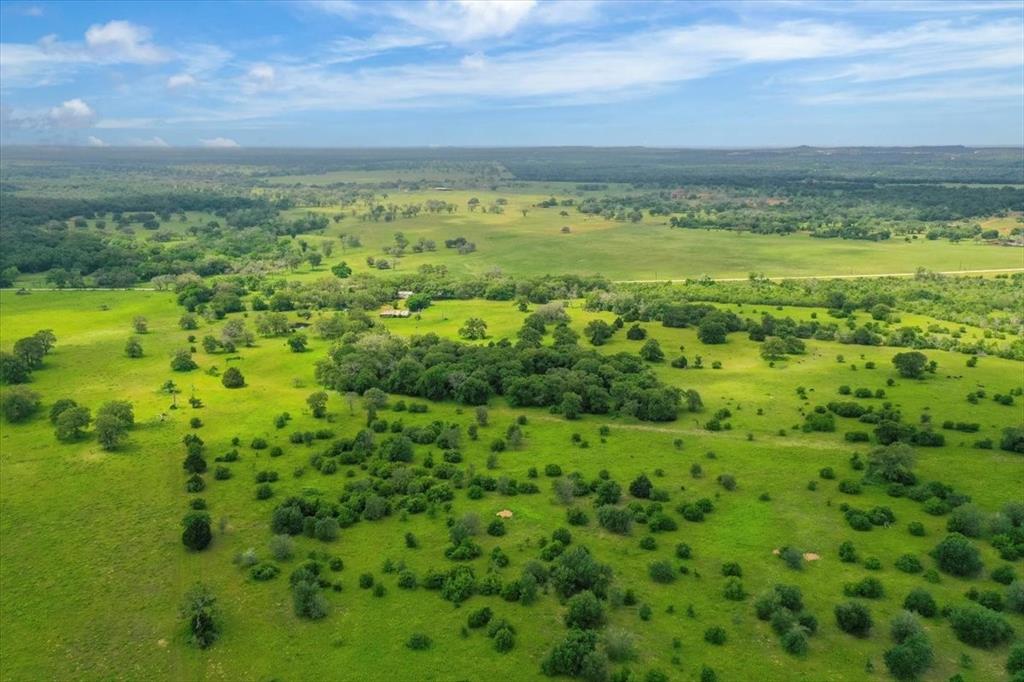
(534, 244)
(527, 240)
(93, 568)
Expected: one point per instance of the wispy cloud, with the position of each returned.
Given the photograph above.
(219, 143)
(494, 54)
(155, 141)
(584, 70)
(70, 114)
(181, 80)
(51, 60)
(462, 21)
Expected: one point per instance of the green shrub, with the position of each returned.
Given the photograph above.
(715, 635)
(795, 642)
(418, 642)
(733, 590)
(196, 534)
(480, 617)
(957, 556)
(584, 611)
(921, 601)
(264, 571)
(853, 618)
(980, 627)
(661, 572)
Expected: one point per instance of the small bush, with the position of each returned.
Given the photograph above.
(715, 635)
(921, 601)
(661, 572)
(908, 563)
(795, 642)
(957, 556)
(980, 627)
(480, 617)
(418, 642)
(853, 618)
(282, 547)
(264, 571)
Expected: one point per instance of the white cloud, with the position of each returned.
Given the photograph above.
(589, 70)
(461, 21)
(262, 75)
(74, 113)
(181, 81)
(467, 20)
(127, 123)
(154, 141)
(50, 60)
(220, 143)
(93, 141)
(123, 41)
(974, 89)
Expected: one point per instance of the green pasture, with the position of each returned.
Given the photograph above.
(93, 569)
(534, 244)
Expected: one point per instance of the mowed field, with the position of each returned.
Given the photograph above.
(93, 568)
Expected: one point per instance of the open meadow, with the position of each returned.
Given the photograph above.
(93, 569)
(261, 414)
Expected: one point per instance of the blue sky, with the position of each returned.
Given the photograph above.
(478, 72)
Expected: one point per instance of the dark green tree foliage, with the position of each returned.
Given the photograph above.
(919, 600)
(18, 403)
(194, 462)
(31, 351)
(651, 351)
(584, 611)
(113, 420)
(1015, 662)
(133, 348)
(912, 653)
(72, 422)
(196, 535)
(199, 610)
(308, 600)
(641, 487)
(317, 402)
(576, 570)
(957, 556)
(979, 626)
(59, 406)
(182, 361)
(13, 370)
(1012, 440)
(853, 618)
(437, 369)
(891, 464)
(232, 378)
(575, 656)
(418, 302)
(598, 332)
(636, 333)
(911, 364)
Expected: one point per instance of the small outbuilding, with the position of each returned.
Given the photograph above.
(394, 312)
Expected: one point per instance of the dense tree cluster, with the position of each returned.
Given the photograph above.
(27, 356)
(527, 374)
